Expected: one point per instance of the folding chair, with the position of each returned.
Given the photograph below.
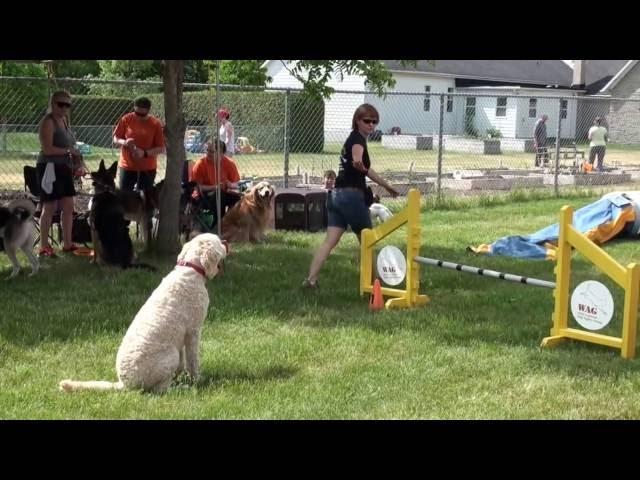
(32, 186)
(192, 214)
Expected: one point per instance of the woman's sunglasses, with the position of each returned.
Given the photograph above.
(370, 121)
(63, 104)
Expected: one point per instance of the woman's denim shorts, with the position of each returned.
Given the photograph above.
(346, 207)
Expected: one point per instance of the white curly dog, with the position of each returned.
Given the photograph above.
(379, 213)
(164, 337)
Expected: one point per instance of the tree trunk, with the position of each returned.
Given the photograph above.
(168, 228)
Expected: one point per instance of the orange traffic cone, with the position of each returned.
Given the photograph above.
(377, 301)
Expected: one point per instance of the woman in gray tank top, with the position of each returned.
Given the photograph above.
(57, 145)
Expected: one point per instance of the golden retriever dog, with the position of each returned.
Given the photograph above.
(164, 338)
(247, 220)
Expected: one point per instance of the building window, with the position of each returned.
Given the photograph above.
(469, 117)
(427, 98)
(450, 100)
(501, 107)
(533, 103)
(471, 106)
(563, 108)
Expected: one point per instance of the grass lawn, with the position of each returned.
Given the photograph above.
(271, 351)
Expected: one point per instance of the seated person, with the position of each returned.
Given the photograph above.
(204, 174)
(329, 180)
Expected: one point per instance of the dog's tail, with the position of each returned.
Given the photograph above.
(22, 208)
(74, 385)
(144, 266)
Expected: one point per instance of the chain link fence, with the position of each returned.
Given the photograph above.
(475, 141)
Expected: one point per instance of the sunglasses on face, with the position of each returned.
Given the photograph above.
(370, 121)
(141, 114)
(63, 104)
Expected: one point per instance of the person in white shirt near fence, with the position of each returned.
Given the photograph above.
(227, 135)
(598, 139)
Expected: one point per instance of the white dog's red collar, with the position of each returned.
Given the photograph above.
(197, 268)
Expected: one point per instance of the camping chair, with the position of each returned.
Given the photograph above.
(32, 186)
(193, 215)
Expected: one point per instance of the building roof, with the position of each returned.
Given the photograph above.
(619, 75)
(538, 72)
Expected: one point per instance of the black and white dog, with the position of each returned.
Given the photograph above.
(17, 233)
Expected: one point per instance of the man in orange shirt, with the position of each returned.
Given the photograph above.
(204, 174)
(142, 139)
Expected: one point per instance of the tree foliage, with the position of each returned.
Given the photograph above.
(239, 72)
(315, 74)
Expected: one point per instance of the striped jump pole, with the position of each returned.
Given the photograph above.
(483, 271)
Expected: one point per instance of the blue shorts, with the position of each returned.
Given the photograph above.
(348, 208)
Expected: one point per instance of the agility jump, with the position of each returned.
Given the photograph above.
(626, 277)
(484, 272)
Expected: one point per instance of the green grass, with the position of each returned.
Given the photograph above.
(270, 351)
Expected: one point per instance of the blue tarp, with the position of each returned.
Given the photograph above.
(604, 211)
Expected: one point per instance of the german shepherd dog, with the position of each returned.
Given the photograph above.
(17, 233)
(138, 206)
(109, 229)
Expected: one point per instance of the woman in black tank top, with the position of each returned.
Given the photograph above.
(57, 145)
(346, 204)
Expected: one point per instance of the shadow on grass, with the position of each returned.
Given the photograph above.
(71, 300)
(583, 360)
(230, 375)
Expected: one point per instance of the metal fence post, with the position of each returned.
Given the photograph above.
(440, 133)
(216, 138)
(286, 138)
(557, 162)
(3, 125)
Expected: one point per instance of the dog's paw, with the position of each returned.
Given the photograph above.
(191, 378)
(184, 380)
(65, 385)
